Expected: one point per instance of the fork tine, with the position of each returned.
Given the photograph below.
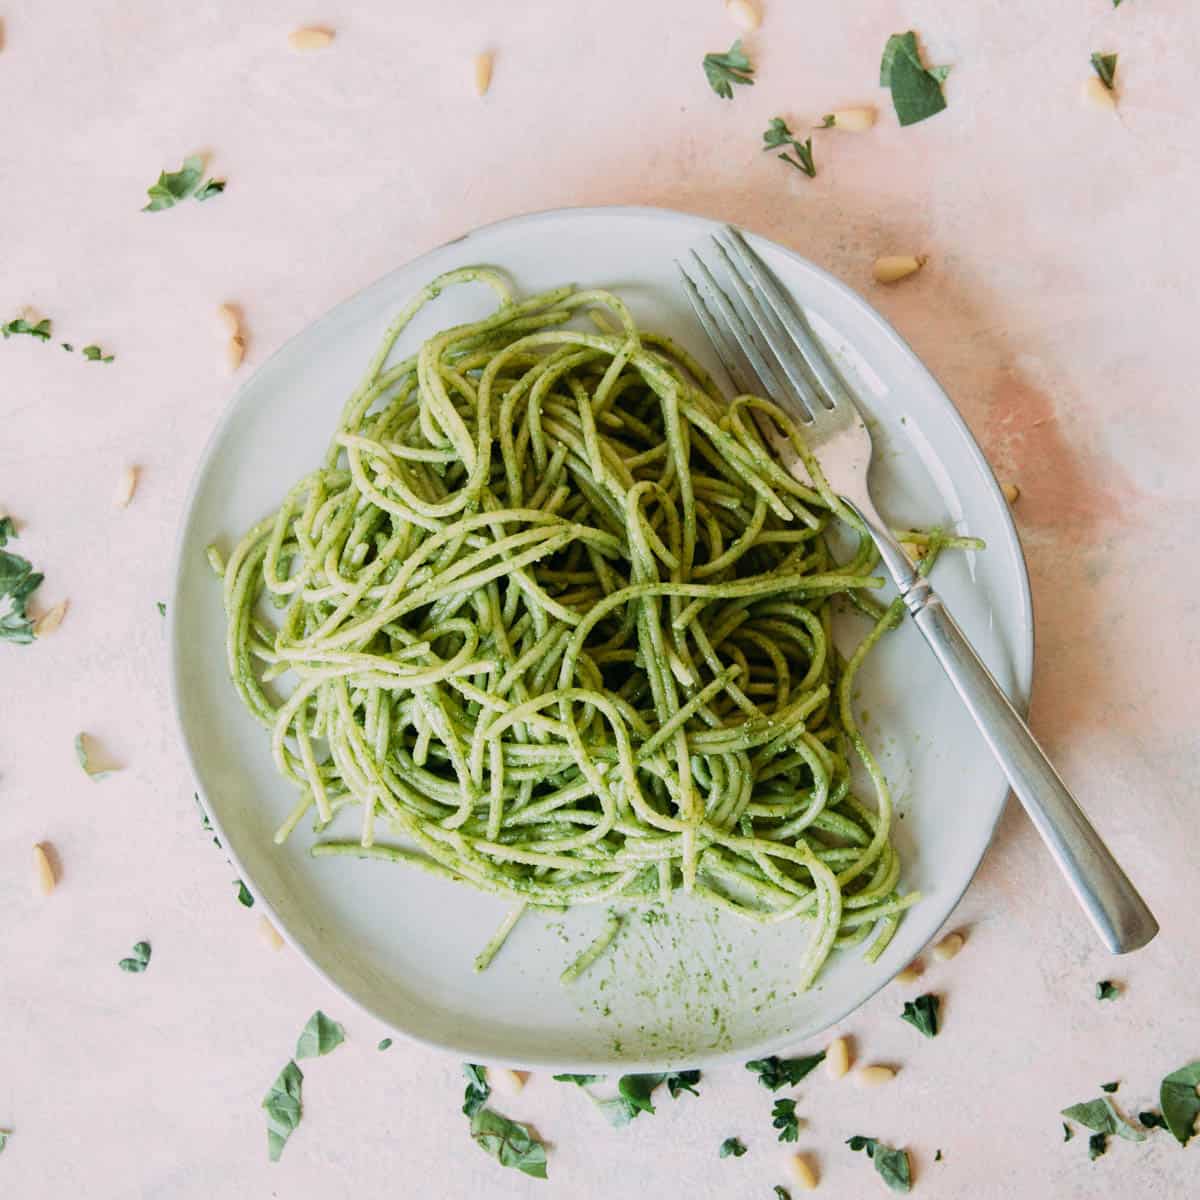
(735, 363)
(737, 324)
(776, 344)
(792, 318)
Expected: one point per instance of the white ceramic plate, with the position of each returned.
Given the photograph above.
(698, 987)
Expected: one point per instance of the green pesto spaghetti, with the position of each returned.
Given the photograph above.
(557, 624)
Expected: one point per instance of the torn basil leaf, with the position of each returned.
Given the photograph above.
(922, 1014)
(174, 186)
(916, 90)
(636, 1090)
(723, 71)
(319, 1036)
(891, 1165)
(478, 1089)
(731, 1146)
(138, 961)
(774, 1072)
(682, 1081)
(1100, 1116)
(1179, 1101)
(786, 1121)
(283, 1109)
(1105, 66)
(39, 330)
(509, 1142)
(162, 608)
(18, 581)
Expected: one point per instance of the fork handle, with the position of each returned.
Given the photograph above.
(1111, 902)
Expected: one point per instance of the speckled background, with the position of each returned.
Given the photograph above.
(1057, 308)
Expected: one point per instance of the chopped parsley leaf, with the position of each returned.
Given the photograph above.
(384, 1044)
(682, 1081)
(138, 961)
(174, 186)
(922, 1014)
(243, 894)
(1097, 1144)
(18, 581)
(41, 330)
(891, 1164)
(778, 134)
(786, 1121)
(723, 71)
(95, 354)
(1107, 990)
(775, 1072)
(731, 1146)
(1109, 1087)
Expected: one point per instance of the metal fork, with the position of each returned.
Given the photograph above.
(768, 348)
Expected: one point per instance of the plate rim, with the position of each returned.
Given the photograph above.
(1022, 653)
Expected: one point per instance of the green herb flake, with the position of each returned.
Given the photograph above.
(1068, 1132)
(781, 1193)
(95, 354)
(68, 347)
(774, 1072)
(916, 90)
(384, 1044)
(1107, 990)
(1097, 1144)
(937, 1156)
(40, 330)
(283, 1109)
(1179, 1101)
(138, 961)
(682, 1081)
(509, 1142)
(922, 1014)
(478, 1089)
(244, 897)
(18, 581)
(162, 608)
(579, 1080)
(5, 1134)
(891, 1165)
(636, 1090)
(319, 1036)
(174, 186)
(1152, 1120)
(731, 1146)
(828, 121)
(778, 134)
(1109, 1087)
(1099, 1116)
(723, 71)
(1105, 65)
(786, 1121)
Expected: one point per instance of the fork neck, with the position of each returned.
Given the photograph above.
(915, 590)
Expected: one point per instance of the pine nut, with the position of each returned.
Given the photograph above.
(231, 322)
(506, 1081)
(43, 871)
(744, 14)
(802, 1173)
(269, 934)
(483, 73)
(911, 973)
(48, 622)
(309, 39)
(235, 351)
(893, 267)
(873, 1076)
(837, 1058)
(948, 947)
(126, 485)
(1097, 95)
(1012, 493)
(853, 120)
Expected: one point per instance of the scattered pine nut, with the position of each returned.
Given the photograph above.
(893, 267)
(744, 14)
(269, 934)
(837, 1058)
(912, 972)
(853, 120)
(483, 73)
(873, 1076)
(1097, 95)
(1012, 493)
(43, 871)
(309, 39)
(506, 1081)
(802, 1173)
(126, 485)
(235, 351)
(48, 622)
(948, 947)
(231, 322)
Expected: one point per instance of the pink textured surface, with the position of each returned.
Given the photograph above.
(1057, 308)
